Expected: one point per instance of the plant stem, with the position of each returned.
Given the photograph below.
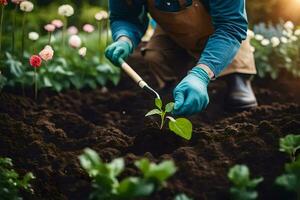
(35, 84)
(162, 120)
(49, 40)
(23, 38)
(13, 36)
(107, 33)
(64, 34)
(100, 38)
(1, 27)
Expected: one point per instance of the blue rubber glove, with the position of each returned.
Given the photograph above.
(191, 94)
(119, 49)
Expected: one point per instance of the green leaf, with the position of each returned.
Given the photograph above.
(290, 144)
(157, 172)
(153, 112)
(239, 175)
(158, 103)
(116, 166)
(90, 161)
(169, 107)
(287, 181)
(133, 187)
(182, 127)
(182, 197)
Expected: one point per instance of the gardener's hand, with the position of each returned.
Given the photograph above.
(191, 94)
(119, 49)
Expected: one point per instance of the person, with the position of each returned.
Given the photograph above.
(202, 39)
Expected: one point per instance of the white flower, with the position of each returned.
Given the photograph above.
(293, 38)
(250, 33)
(275, 41)
(26, 6)
(82, 51)
(297, 32)
(75, 41)
(259, 37)
(265, 42)
(33, 36)
(289, 25)
(284, 40)
(98, 16)
(66, 10)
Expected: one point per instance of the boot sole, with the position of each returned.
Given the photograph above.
(240, 108)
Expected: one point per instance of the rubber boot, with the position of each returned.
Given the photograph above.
(240, 95)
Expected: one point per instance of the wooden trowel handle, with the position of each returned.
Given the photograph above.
(132, 74)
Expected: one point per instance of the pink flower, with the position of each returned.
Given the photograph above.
(88, 28)
(49, 27)
(75, 41)
(17, 1)
(57, 23)
(3, 2)
(72, 30)
(47, 53)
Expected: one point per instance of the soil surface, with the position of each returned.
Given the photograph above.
(46, 137)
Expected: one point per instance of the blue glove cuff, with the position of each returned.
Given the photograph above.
(201, 74)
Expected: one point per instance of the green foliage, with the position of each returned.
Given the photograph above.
(182, 197)
(106, 185)
(66, 70)
(277, 49)
(290, 180)
(243, 187)
(10, 181)
(181, 126)
(290, 144)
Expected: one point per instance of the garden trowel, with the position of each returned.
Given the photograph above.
(134, 76)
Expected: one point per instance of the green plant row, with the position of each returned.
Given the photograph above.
(243, 187)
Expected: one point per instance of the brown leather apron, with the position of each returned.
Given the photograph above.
(191, 27)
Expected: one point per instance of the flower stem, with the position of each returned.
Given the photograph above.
(107, 33)
(100, 38)
(13, 35)
(23, 38)
(49, 40)
(1, 27)
(35, 84)
(64, 34)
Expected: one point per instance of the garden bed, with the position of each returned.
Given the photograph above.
(47, 136)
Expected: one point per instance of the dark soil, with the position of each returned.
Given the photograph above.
(47, 136)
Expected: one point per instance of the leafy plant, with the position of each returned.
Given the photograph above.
(181, 126)
(10, 181)
(290, 144)
(182, 197)
(290, 180)
(243, 187)
(105, 182)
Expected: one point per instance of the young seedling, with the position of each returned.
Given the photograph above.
(243, 187)
(181, 126)
(10, 181)
(105, 182)
(290, 180)
(290, 144)
(182, 197)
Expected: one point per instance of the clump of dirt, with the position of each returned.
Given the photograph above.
(47, 136)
